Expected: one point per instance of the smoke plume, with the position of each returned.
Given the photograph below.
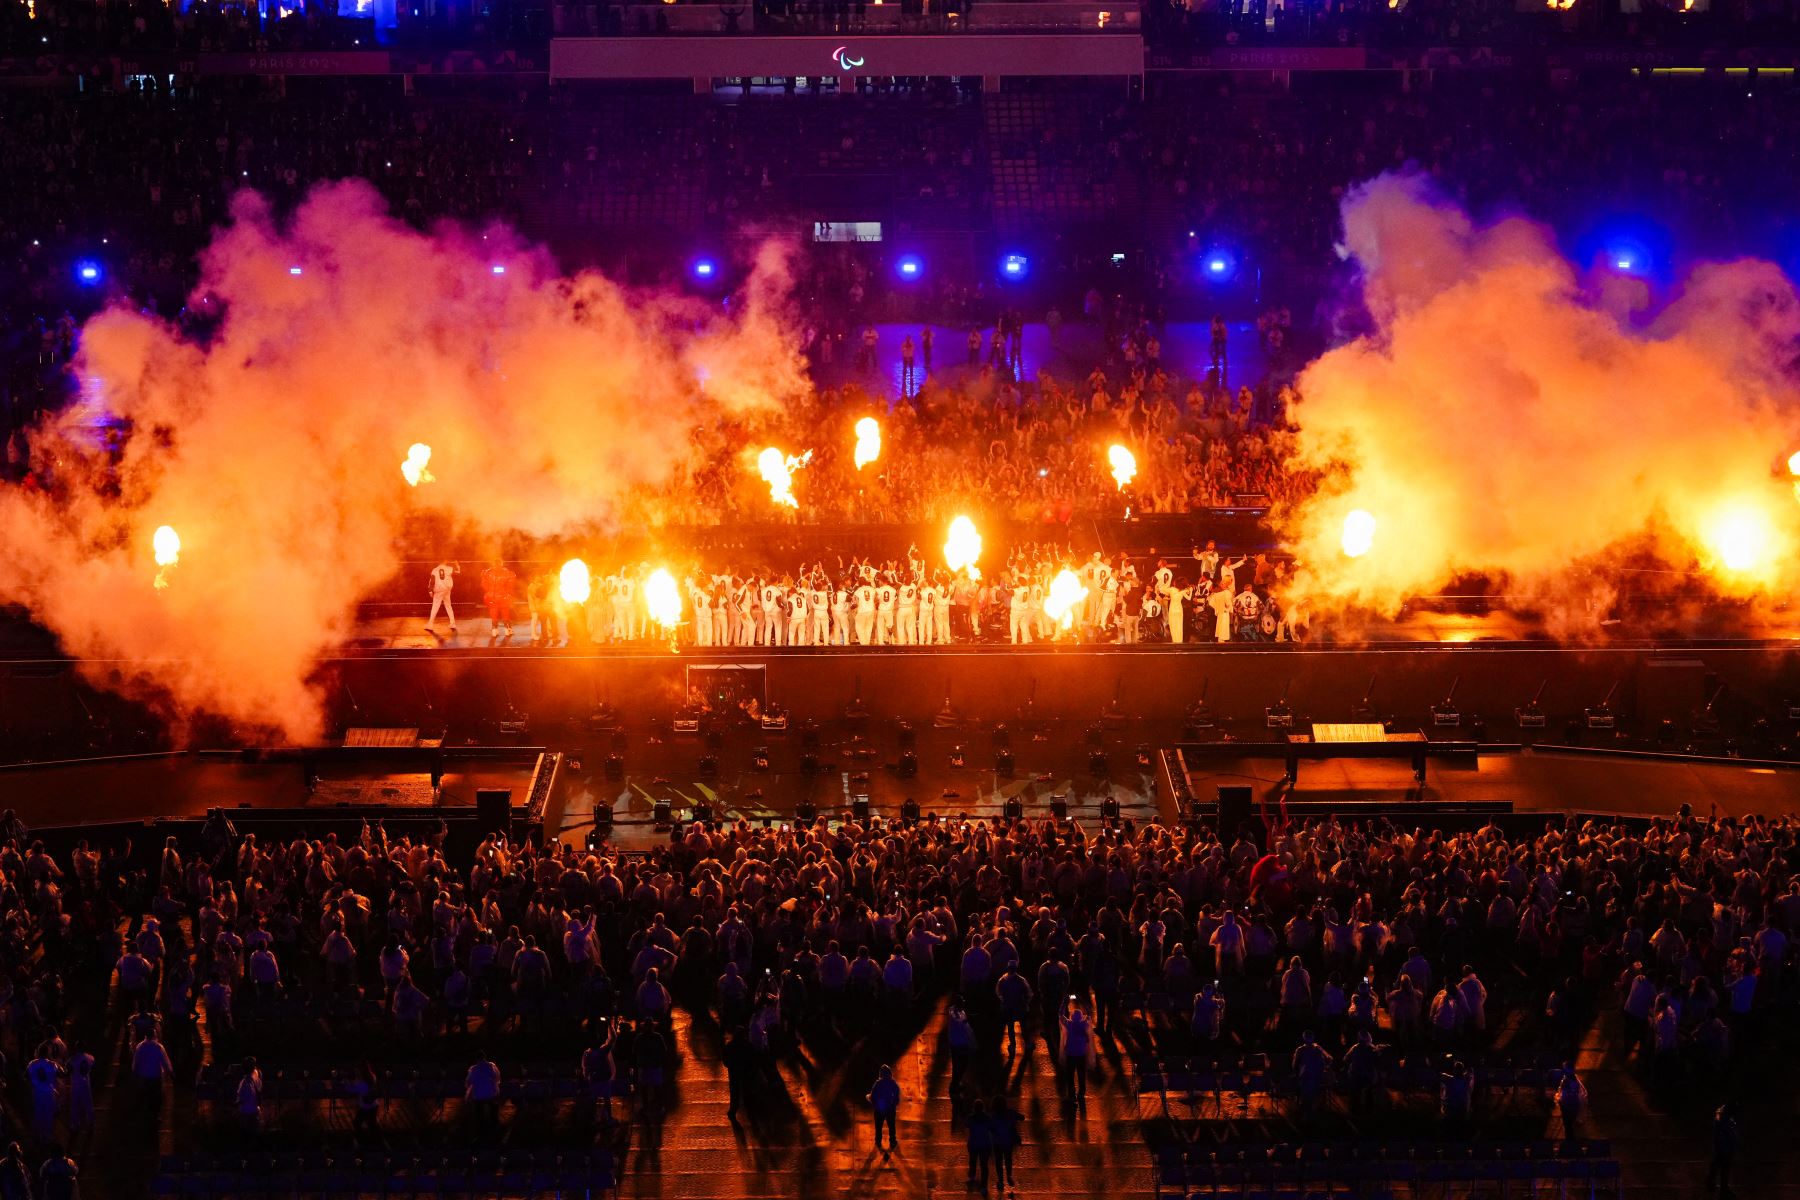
(273, 447)
(1506, 415)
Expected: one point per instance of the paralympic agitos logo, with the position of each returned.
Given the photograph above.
(842, 57)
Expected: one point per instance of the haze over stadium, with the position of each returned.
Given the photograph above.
(1160, 603)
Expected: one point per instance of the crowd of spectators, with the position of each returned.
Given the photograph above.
(1323, 942)
(973, 440)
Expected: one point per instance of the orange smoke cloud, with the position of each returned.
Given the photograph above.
(545, 400)
(1502, 418)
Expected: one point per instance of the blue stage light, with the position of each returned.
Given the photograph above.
(1015, 266)
(705, 269)
(909, 266)
(89, 273)
(1219, 265)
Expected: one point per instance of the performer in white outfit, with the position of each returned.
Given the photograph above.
(443, 581)
(771, 607)
(819, 601)
(1019, 611)
(1177, 599)
(798, 621)
(865, 613)
(840, 617)
(1220, 602)
(885, 596)
(909, 614)
(703, 617)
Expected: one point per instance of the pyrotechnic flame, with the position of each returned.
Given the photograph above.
(166, 544)
(1740, 537)
(963, 547)
(868, 441)
(1124, 465)
(777, 470)
(414, 468)
(663, 598)
(575, 583)
(1359, 532)
(1064, 594)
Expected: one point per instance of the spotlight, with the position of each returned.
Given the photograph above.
(499, 268)
(1109, 810)
(909, 811)
(705, 269)
(294, 271)
(1219, 265)
(909, 267)
(88, 273)
(603, 818)
(1015, 267)
(1012, 810)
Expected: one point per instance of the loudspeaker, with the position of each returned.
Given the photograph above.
(493, 810)
(1234, 808)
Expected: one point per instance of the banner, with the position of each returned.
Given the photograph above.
(848, 55)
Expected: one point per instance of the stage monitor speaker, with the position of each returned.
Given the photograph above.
(1234, 808)
(493, 810)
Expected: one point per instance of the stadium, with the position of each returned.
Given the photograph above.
(846, 598)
